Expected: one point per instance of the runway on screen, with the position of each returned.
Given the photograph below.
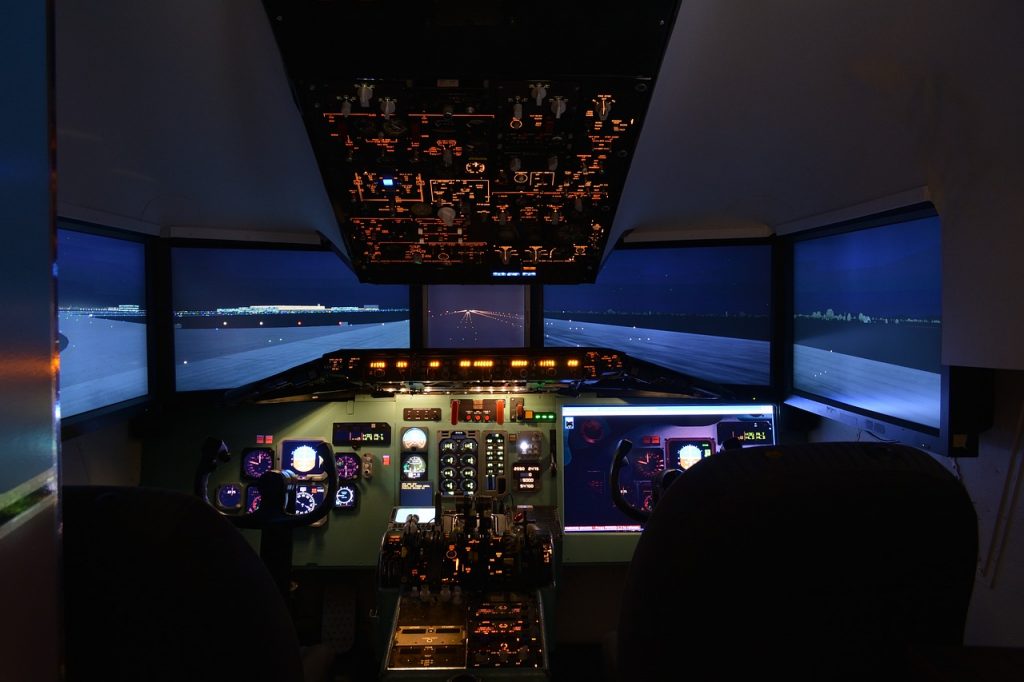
(226, 358)
(714, 358)
(103, 363)
(881, 387)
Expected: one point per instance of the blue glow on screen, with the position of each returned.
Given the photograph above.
(703, 311)
(101, 321)
(245, 314)
(868, 319)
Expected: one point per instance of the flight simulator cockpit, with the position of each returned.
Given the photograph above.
(488, 385)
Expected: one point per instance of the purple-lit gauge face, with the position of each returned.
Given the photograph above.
(252, 499)
(229, 496)
(257, 461)
(348, 466)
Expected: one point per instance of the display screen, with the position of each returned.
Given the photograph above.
(308, 496)
(101, 321)
(702, 311)
(490, 316)
(362, 433)
(663, 436)
(347, 497)
(302, 458)
(867, 319)
(349, 465)
(244, 314)
(401, 514)
(257, 461)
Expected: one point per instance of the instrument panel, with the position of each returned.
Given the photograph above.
(444, 167)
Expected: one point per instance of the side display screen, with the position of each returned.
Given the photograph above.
(702, 311)
(101, 321)
(663, 437)
(241, 315)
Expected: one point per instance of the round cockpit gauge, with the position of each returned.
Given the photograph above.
(304, 502)
(468, 445)
(448, 485)
(257, 461)
(304, 459)
(649, 463)
(414, 439)
(688, 456)
(447, 445)
(468, 472)
(468, 485)
(229, 496)
(346, 498)
(348, 466)
(448, 472)
(414, 467)
(449, 460)
(253, 497)
(469, 460)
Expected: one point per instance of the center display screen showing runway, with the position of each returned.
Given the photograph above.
(702, 311)
(244, 314)
(490, 316)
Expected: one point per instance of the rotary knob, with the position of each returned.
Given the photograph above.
(364, 91)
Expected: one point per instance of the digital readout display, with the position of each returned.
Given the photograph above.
(362, 433)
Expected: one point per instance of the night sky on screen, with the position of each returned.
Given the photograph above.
(207, 279)
(889, 271)
(99, 272)
(688, 281)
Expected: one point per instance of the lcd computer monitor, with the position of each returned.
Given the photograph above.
(867, 326)
(663, 436)
(101, 321)
(486, 316)
(241, 315)
(703, 311)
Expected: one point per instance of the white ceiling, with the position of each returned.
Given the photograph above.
(175, 117)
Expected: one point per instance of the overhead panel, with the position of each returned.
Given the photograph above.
(469, 143)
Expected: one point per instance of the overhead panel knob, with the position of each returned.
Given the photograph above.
(558, 105)
(364, 91)
(388, 105)
(538, 91)
(552, 163)
(447, 215)
(515, 164)
(603, 106)
(517, 115)
(346, 105)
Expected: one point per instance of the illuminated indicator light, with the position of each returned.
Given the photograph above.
(268, 440)
(520, 363)
(483, 363)
(546, 363)
(260, 440)
(378, 364)
(434, 364)
(386, 460)
(465, 363)
(529, 414)
(402, 364)
(573, 363)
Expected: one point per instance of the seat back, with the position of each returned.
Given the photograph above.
(816, 561)
(159, 586)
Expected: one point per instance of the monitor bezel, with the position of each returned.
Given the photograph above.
(104, 415)
(761, 392)
(879, 426)
(529, 311)
(167, 311)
